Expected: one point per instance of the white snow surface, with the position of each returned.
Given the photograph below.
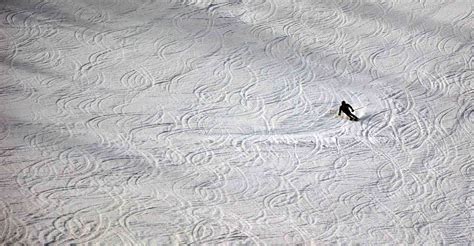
(215, 121)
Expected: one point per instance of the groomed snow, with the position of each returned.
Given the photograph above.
(215, 121)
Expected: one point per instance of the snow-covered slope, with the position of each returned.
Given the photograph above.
(135, 122)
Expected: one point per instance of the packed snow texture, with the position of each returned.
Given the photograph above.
(215, 121)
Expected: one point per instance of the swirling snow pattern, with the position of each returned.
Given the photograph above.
(214, 121)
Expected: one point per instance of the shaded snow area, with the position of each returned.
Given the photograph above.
(132, 122)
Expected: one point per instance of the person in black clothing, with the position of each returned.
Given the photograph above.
(345, 108)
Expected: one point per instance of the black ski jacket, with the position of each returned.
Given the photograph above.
(345, 108)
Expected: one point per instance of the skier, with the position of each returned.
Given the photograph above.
(345, 108)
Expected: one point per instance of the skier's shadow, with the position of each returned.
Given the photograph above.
(363, 117)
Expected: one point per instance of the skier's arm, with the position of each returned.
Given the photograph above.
(350, 107)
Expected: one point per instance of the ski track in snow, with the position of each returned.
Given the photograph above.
(214, 121)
